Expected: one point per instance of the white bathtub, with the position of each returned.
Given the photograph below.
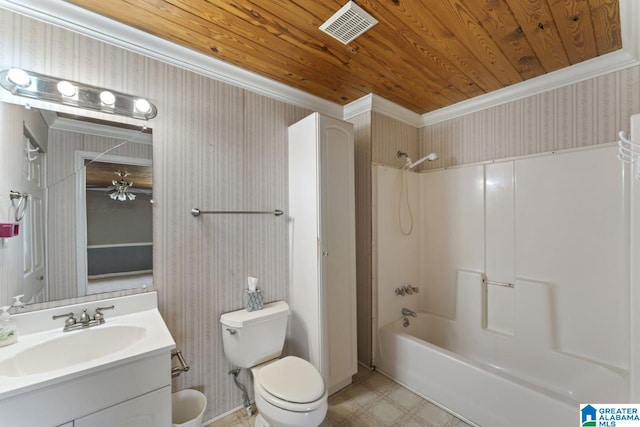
(465, 378)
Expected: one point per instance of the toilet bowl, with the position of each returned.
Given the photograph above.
(289, 392)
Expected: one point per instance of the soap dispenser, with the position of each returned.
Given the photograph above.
(8, 327)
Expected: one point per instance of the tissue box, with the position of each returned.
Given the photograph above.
(252, 301)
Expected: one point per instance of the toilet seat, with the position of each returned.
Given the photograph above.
(292, 384)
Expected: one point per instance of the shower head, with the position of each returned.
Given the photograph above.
(431, 157)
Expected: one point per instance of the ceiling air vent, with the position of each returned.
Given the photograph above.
(348, 23)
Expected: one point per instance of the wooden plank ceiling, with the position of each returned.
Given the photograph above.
(423, 54)
(102, 174)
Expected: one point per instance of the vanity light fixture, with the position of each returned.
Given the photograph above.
(107, 98)
(66, 89)
(142, 105)
(19, 77)
(39, 86)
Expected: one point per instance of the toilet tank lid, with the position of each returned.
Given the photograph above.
(242, 318)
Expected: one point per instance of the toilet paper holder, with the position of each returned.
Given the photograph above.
(177, 370)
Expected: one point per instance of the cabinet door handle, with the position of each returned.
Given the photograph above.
(325, 253)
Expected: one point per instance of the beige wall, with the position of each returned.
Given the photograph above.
(586, 113)
(215, 147)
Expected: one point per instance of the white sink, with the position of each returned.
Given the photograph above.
(71, 348)
(45, 355)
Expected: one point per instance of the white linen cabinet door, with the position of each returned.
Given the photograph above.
(322, 234)
(337, 237)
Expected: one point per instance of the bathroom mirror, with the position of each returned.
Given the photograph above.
(86, 226)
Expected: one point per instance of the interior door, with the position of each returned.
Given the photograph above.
(33, 222)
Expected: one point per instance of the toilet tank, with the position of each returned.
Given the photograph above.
(253, 337)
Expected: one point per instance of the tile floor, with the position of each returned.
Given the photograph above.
(371, 400)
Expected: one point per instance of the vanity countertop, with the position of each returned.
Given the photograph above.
(132, 331)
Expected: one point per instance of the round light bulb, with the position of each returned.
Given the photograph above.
(107, 97)
(142, 105)
(19, 77)
(66, 89)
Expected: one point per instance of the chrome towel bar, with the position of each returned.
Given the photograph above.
(491, 282)
(198, 212)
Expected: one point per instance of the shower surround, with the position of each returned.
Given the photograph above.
(553, 226)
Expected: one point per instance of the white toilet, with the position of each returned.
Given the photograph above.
(289, 392)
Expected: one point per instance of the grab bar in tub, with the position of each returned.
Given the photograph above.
(491, 282)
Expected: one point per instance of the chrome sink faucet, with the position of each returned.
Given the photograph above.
(85, 321)
(407, 312)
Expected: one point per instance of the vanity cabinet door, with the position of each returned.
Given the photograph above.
(149, 410)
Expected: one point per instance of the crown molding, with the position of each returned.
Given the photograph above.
(98, 27)
(585, 70)
(90, 128)
(357, 107)
(378, 104)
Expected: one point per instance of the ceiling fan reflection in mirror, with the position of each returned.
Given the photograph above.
(122, 189)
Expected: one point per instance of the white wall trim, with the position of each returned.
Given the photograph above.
(629, 18)
(82, 21)
(90, 24)
(378, 104)
(359, 106)
(90, 128)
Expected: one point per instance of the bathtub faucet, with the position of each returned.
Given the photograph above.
(406, 290)
(407, 312)
(411, 289)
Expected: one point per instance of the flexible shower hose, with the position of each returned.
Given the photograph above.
(405, 190)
